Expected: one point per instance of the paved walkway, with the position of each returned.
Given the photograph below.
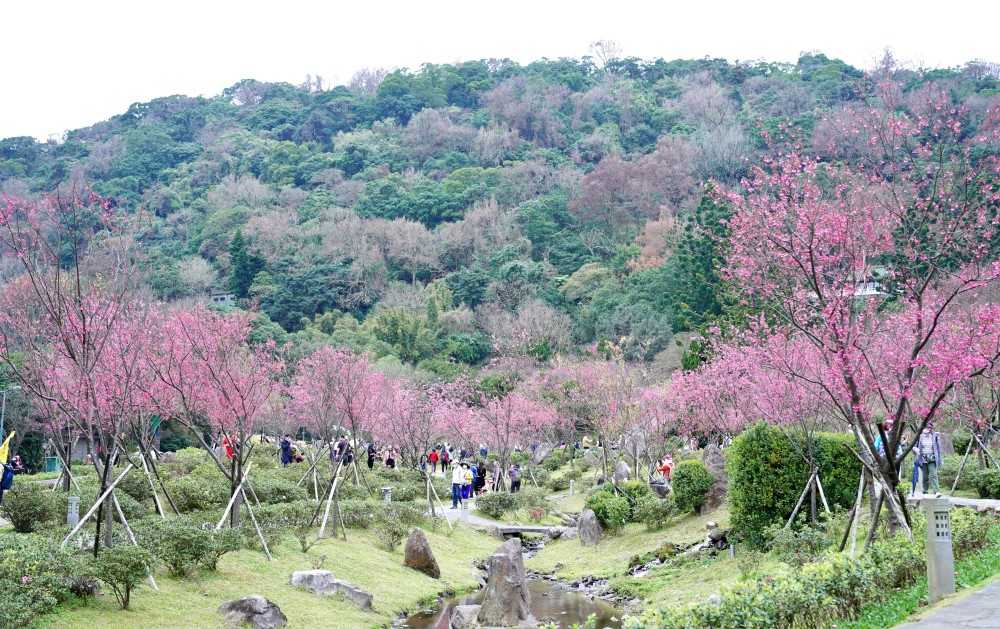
(979, 504)
(981, 609)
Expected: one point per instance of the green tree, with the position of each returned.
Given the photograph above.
(243, 266)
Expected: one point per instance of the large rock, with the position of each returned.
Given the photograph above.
(254, 610)
(635, 444)
(543, 450)
(588, 529)
(715, 462)
(168, 457)
(464, 616)
(507, 601)
(947, 447)
(571, 532)
(591, 457)
(622, 473)
(418, 555)
(323, 584)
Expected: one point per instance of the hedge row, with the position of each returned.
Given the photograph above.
(767, 476)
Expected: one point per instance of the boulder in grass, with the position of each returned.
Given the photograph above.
(622, 473)
(588, 529)
(715, 462)
(418, 555)
(255, 611)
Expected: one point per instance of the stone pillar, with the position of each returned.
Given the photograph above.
(387, 494)
(572, 489)
(73, 513)
(940, 561)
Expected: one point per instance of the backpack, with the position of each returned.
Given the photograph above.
(6, 477)
(445, 456)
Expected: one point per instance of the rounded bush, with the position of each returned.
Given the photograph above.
(198, 493)
(692, 482)
(495, 505)
(34, 577)
(611, 511)
(26, 505)
(272, 489)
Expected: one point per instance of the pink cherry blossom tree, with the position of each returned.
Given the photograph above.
(208, 371)
(871, 271)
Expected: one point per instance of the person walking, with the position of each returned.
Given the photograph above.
(371, 455)
(445, 460)
(286, 449)
(929, 455)
(433, 458)
(515, 477)
(457, 480)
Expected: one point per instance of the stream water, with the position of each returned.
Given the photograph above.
(550, 600)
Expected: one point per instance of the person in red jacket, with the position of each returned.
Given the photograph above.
(433, 458)
(666, 466)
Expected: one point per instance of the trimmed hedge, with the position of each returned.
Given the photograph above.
(692, 481)
(767, 476)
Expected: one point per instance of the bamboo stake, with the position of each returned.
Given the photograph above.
(260, 534)
(802, 498)
(961, 467)
(857, 514)
(97, 503)
(156, 498)
(131, 537)
(445, 513)
(232, 499)
(819, 484)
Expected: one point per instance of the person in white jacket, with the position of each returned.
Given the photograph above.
(457, 480)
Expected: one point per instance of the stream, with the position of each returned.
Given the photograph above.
(551, 600)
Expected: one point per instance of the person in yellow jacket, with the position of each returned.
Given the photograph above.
(466, 481)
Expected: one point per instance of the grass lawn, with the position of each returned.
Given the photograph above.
(571, 560)
(361, 560)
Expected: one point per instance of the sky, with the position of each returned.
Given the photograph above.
(70, 64)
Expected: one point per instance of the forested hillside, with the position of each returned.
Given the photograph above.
(449, 213)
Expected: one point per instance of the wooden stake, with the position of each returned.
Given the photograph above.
(802, 498)
(232, 499)
(819, 484)
(965, 458)
(131, 537)
(260, 533)
(97, 503)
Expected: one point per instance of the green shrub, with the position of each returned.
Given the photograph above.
(691, 481)
(766, 478)
(520, 457)
(558, 483)
(986, 482)
(654, 512)
(196, 492)
(189, 458)
(185, 543)
(391, 533)
(26, 505)
(800, 544)
(816, 595)
(496, 504)
(406, 512)
(529, 498)
(357, 514)
(612, 511)
(271, 488)
(960, 439)
(573, 474)
(34, 577)
(635, 491)
(135, 485)
(123, 568)
(948, 470)
(970, 531)
(554, 461)
(274, 520)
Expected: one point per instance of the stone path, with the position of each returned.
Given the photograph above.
(455, 515)
(979, 504)
(981, 609)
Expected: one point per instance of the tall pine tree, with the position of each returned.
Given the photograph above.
(243, 266)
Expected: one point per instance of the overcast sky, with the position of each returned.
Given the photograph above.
(70, 64)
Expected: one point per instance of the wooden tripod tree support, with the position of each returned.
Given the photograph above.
(131, 537)
(813, 481)
(64, 468)
(443, 512)
(260, 534)
(854, 516)
(97, 503)
(237, 493)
